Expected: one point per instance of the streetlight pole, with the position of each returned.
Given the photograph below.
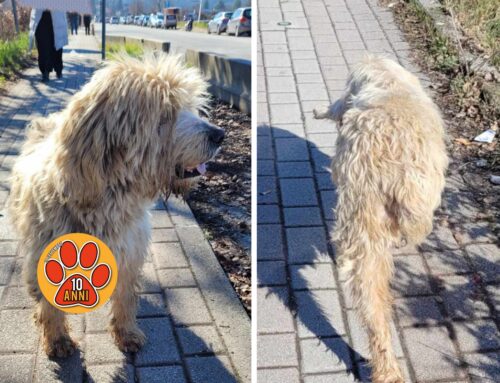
(103, 29)
(199, 12)
(14, 12)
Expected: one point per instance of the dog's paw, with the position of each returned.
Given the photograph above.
(62, 347)
(321, 112)
(129, 340)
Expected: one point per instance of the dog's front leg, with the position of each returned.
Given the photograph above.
(127, 335)
(57, 341)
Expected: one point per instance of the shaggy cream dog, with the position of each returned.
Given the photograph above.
(129, 135)
(389, 169)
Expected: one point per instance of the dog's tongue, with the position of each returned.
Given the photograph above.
(202, 168)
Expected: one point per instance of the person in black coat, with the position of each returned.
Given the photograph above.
(86, 22)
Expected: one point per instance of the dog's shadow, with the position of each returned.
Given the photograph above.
(302, 302)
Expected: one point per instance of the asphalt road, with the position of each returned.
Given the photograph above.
(229, 46)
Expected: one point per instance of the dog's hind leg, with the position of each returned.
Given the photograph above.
(127, 335)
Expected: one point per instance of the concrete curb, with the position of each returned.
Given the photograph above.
(230, 79)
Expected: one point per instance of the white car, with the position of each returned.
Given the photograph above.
(156, 20)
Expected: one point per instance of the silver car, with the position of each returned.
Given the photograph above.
(218, 24)
(241, 22)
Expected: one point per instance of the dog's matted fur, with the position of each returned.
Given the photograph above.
(389, 169)
(131, 133)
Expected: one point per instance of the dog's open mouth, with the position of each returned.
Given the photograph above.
(197, 171)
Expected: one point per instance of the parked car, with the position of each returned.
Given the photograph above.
(240, 22)
(107, 20)
(145, 21)
(129, 19)
(171, 22)
(114, 20)
(155, 20)
(219, 22)
(138, 19)
(122, 20)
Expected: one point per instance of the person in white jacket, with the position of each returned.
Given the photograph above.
(50, 30)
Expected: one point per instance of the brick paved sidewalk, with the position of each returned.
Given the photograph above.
(447, 292)
(197, 330)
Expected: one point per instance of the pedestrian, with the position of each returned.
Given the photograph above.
(86, 22)
(50, 29)
(74, 22)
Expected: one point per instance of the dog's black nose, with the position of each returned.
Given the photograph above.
(216, 135)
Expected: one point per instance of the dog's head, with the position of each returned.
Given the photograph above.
(196, 142)
(372, 76)
(134, 128)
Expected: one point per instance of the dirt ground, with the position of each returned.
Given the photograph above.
(458, 94)
(222, 200)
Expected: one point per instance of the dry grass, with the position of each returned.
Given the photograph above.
(480, 20)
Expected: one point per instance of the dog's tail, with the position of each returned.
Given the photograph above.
(362, 243)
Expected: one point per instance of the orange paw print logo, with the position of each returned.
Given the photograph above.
(79, 273)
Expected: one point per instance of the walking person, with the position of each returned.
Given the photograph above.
(74, 22)
(86, 22)
(50, 29)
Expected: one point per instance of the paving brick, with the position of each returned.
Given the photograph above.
(324, 355)
(462, 298)
(186, 306)
(302, 216)
(18, 331)
(175, 374)
(163, 235)
(151, 305)
(480, 335)
(319, 313)
(6, 269)
(265, 168)
(271, 273)
(276, 350)
(294, 169)
(285, 113)
(440, 238)
(417, 310)
(210, 369)
(328, 202)
(410, 276)
(289, 375)
(17, 297)
(432, 354)
(317, 276)
(266, 189)
(312, 92)
(446, 262)
(269, 242)
(100, 348)
(110, 373)
(160, 346)
(168, 255)
(345, 377)
(160, 219)
(486, 259)
(199, 339)
(307, 245)
(474, 232)
(483, 367)
(298, 192)
(281, 84)
(273, 312)
(16, 368)
(268, 214)
(291, 149)
(289, 130)
(8, 248)
(149, 281)
(170, 278)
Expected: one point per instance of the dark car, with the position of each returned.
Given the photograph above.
(218, 24)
